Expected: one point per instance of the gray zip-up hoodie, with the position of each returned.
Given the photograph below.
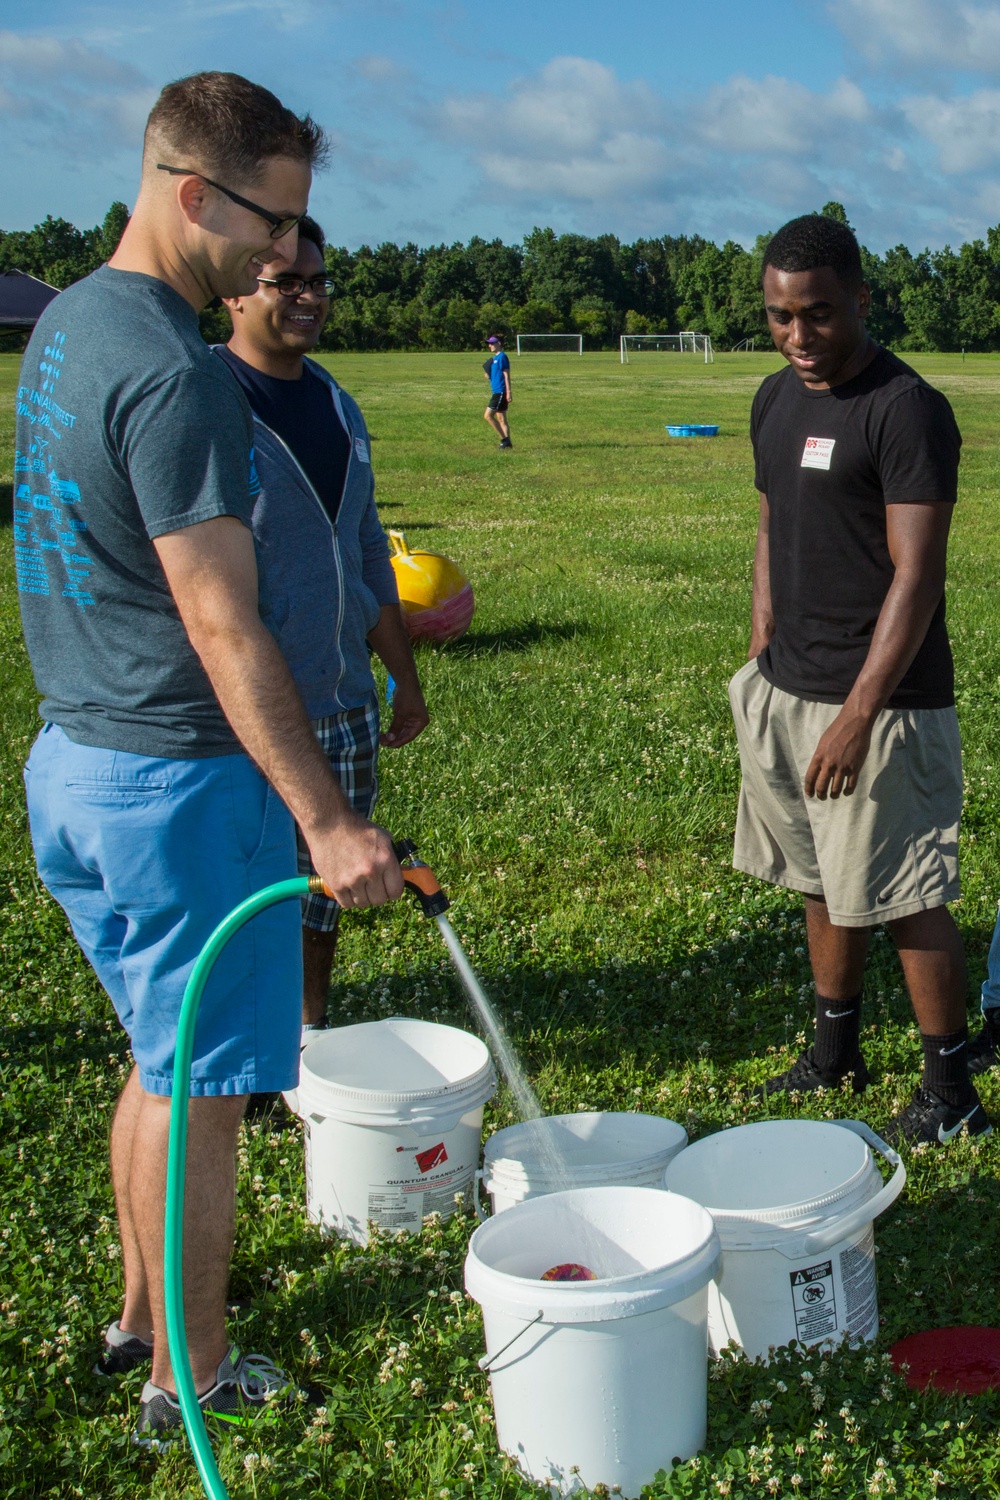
(322, 584)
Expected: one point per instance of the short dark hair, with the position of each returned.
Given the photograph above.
(230, 126)
(310, 230)
(812, 241)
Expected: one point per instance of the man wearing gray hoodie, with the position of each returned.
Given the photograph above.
(330, 593)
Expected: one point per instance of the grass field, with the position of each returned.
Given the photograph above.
(575, 793)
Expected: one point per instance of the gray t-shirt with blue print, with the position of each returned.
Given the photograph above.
(128, 428)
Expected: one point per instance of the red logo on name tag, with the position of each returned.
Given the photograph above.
(818, 452)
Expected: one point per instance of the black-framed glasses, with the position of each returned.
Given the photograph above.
(294, 286)
(279, 226)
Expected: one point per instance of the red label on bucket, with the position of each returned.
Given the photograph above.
(434, 1156)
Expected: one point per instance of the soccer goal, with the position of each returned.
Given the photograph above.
(668, 343)
(554, 343)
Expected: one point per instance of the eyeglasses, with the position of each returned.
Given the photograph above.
(279, 226)
(294, 286)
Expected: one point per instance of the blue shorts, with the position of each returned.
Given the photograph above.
(146, 856)
(350, 743)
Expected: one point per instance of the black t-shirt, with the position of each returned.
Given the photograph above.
(829, 463)
(303, 415)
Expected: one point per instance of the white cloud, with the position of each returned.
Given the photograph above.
(56, 61)
(965, 131)
(778, 116)
(71, 91)
(622, 165)
(362, 157)
(575, 133)
(921, 33)
(377, 69)
(573, 130)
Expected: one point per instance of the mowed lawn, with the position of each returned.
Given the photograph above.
(575, 793)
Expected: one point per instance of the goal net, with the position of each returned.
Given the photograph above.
(552, 343)
(668, 343)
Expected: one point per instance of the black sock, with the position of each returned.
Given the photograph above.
(838, 1033)
(946, 1066)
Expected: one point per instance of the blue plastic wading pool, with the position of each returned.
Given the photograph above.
(702, 429)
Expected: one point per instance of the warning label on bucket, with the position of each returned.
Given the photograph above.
(814, 1301)
(857, 1272)
(403, 1204)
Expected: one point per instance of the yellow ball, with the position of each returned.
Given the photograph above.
(435, 595)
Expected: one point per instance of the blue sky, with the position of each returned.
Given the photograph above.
(722, 117)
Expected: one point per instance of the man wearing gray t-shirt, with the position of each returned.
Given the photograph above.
(175, 750)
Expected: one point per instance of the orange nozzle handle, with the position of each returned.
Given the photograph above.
(420, 879)
(417, 877)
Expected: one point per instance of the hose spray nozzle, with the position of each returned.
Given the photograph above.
(420, 879)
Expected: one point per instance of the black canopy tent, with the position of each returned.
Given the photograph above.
(23, 299)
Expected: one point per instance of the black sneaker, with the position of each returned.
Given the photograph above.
(506, 443)
(984, 1049)
(122, 1352)
(803, 1077)
(245, 1384)
(929, 1118)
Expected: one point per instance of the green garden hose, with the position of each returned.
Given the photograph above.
(421, 882)
(173, 1229)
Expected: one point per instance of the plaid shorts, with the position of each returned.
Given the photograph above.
(350, 741)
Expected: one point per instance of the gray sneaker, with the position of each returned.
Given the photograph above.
(245, 1385)
(122, 1352)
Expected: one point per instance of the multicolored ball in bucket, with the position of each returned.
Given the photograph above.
(569, 1271)
(435, 595)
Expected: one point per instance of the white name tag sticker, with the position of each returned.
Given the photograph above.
(361, 450)
(817, 453)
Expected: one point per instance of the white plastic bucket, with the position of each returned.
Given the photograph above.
(594, 1149)
(393, 1114)
(794, 1202)
(605, 1381)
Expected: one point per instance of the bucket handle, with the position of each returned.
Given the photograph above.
(488, 1359)
(865, 1213)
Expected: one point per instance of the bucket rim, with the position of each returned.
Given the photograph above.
(508, 1172)
(332, 1092)
(604, 1299)
(797, 1212)
(513, 1165)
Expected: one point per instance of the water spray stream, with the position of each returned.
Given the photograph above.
(420, 879)
(510, 1063)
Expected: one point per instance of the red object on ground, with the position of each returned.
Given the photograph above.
(951, 1359)
(568, 1272)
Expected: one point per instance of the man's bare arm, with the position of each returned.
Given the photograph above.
(390, 642)
(212, 573)
(761, 617)
(918, 543)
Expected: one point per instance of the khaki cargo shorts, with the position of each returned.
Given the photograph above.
(888, 850)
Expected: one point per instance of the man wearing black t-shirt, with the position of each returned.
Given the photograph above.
(849, 744)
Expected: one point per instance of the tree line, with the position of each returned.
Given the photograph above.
(453, 296)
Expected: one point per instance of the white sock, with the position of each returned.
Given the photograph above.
(116, 1335)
